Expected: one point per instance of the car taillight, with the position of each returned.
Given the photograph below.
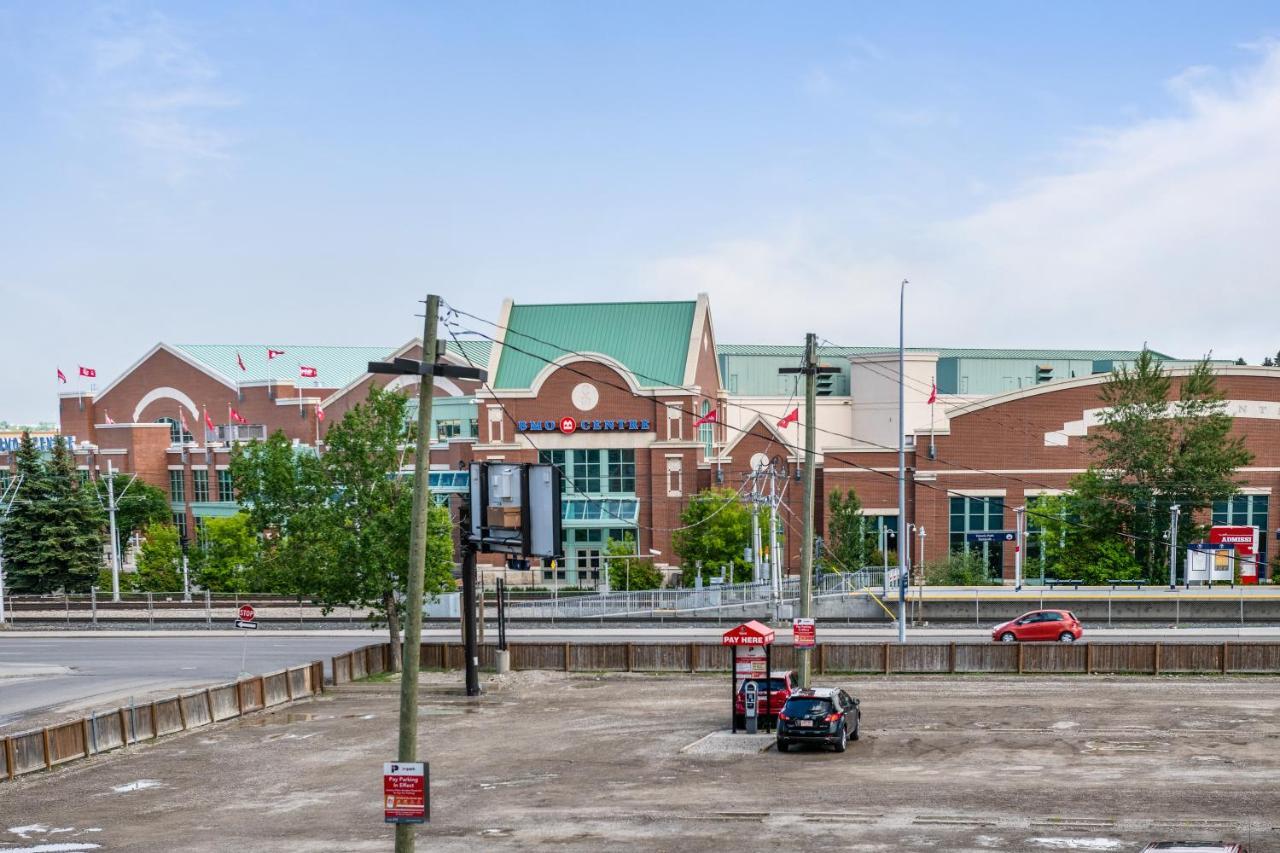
(831, 718)
(782, 716)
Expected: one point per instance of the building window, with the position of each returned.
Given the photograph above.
(180, 522)
(176, 434)
(446, 430)
(977, 515)
(226, 492)
(706, 431)
(622, 472)
(199, 485)
(675, 477)
(177, 486)
(1247, 510)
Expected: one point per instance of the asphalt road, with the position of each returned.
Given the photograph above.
(96, 671)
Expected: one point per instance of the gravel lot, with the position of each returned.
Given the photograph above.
(583, 763)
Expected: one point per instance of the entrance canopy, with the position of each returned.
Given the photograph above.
(751, 633)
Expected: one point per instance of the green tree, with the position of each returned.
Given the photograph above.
(1154, 449)
(1077, 535)
(53, 536)
(159, 561)
(231, 553)
(627, 570)
(851, 538)
(716, 531)
(138, 505)
(336, 528)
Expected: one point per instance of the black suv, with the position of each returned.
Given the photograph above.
(822, 715)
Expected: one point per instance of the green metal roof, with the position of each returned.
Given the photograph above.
(335, 366)
(651, 339)
(797, 351)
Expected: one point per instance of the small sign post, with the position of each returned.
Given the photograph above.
(405, 792)
(804, 633)
(246, 617)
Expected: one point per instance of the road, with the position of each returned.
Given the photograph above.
(99, 671)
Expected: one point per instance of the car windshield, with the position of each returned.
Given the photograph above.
(807, 707)
(774, 684)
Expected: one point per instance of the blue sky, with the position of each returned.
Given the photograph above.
(1086, 174)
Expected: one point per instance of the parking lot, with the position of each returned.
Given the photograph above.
(586, 763)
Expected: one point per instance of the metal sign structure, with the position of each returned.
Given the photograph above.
(516, 509)
(992, 536)
(748, 640)
(406, 792)
(246, 615)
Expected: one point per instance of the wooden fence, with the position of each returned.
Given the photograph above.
(882, 658)
(43, 749)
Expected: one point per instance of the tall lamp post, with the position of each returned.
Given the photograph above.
(903, 544)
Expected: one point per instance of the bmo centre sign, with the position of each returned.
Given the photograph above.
(569, 425)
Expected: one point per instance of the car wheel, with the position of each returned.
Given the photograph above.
(1067, 637)
(1007, 637)
(844, 740)
(783, 746)
(857, 729)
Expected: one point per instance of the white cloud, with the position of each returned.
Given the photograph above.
(1163, 230)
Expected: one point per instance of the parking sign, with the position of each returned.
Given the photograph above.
(405, 792)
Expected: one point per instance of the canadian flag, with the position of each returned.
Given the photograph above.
(238, 418)
(792, 417)
(933, 393)
(709, 418)
(240, 361)
(182, 416)
(62, 377)
(319, 413)
(88, 371)
(208, 421)
(272, 353)
(110, 419)
(307, 372)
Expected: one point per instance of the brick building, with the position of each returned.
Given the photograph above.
(611, 393)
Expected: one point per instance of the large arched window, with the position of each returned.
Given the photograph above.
(176, 434)
(706, 432)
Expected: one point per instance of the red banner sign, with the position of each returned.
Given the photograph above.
(404, 792)
(804, 633)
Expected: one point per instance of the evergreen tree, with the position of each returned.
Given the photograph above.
(851, 539)
(53, 537)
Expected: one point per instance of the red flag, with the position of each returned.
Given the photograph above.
(272, 353)
(933, 393)
(240, 361)
(88, 371)
(62, 377)
(709, 418)
(238, 418)
(182, 416)
(110, 420)
(319, 413)
(792, 417)
(208, 421)
(307, 372)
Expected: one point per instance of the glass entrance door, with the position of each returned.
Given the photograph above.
(586, 565)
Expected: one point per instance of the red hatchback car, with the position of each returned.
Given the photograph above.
(1059, 625)
(782, 683)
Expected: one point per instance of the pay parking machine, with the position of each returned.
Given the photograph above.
(746, 642)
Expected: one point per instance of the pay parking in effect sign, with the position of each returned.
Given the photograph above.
(404, 792)
(804, 633)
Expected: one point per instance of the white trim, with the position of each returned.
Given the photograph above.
(176, 467)
(866, 470)
(1043, 493)
(544, 374)
(295, 401)
(999, 471)
(176, 353)
(693, 350)
(1255, 490)
(743, 432)
(879, 510)
(112, 451)
(164, 392)
(130, 425)
(500, 339)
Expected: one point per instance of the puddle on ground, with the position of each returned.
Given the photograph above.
(140, 785)
(437, 711)
(1079, 843)
(279, 719)
(503, 832)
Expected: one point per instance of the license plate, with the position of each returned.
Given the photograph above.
(806, 724)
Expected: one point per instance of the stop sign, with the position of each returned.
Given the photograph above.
(246, 612)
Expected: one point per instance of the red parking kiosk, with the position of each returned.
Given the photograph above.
(748, 640)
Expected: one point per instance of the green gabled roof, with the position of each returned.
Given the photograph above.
(336, 367)
(651, 339)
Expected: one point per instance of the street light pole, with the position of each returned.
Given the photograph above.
(1174, 512)
(902, 466)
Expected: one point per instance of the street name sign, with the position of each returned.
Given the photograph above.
(991, 536)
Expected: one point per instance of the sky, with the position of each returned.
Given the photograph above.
(1080, 174)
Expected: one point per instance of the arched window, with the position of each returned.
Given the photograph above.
(176, 434)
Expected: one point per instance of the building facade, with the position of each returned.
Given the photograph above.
(613, 394)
